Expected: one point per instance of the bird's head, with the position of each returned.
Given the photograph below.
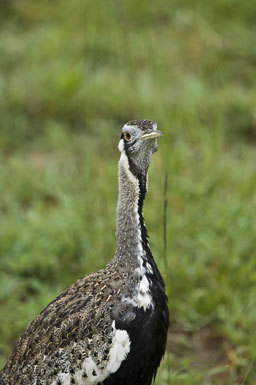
(138, 142)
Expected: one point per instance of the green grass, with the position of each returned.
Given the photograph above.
(71, 73)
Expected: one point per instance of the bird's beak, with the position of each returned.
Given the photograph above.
(151, 135)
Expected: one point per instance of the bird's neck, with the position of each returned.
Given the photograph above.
(131, 232)
(133, 253)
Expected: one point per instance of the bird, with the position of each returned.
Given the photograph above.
(109, 327)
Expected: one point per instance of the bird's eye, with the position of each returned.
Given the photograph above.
(127, 135)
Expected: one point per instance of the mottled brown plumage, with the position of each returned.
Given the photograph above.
(79, 321)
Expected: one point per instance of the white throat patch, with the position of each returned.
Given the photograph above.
(121, 145)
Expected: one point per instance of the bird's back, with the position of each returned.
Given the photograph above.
(75, 327)
(85, 334)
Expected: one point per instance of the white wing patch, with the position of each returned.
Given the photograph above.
(120, 347)
(144, 285)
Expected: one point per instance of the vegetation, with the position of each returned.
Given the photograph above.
(71, 74)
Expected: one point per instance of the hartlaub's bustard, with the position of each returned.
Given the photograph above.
(109, 327)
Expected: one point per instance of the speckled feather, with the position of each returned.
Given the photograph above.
(75, 326)
(108, 327)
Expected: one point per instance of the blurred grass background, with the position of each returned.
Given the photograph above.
(71, 74)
